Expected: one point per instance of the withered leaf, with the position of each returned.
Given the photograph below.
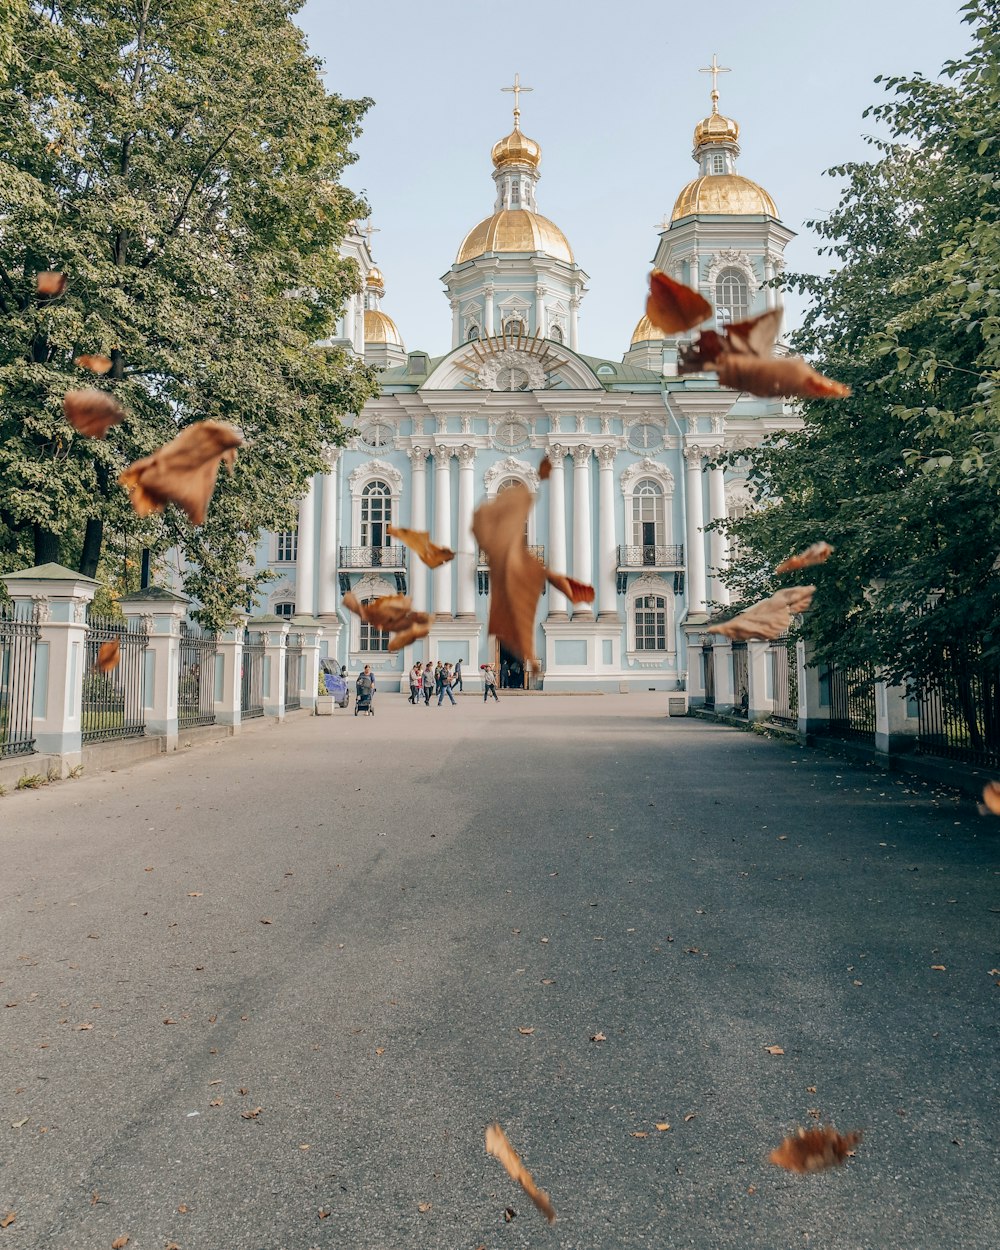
(215, 1102)
(183, 1208)
(526, 1031)
(663, 1127)
(108, 655)
(92, 412)
(50, 282)
(938, 968)
(419, 541)
(393, 613)
(545, 469)
(774, 1050)
(673, 307)
(82, 1028)
(424, 1207)
(575, 592)
(690, 1116)
(96, 364)
(183, 471)
(991, 797)
(119, 1243)
(814, 1149)
(516, 577)
(251, 1115)
(8, 1219)
(755, 337)
(818, 553)
(323, 1213)
(498, 1146)
(640, 1134)
(768, 619)
(788, 376)
(598, 1037)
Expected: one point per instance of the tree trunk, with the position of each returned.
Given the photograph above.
(47, 546)
(92, 539)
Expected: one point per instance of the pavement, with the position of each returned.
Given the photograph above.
(268, 993)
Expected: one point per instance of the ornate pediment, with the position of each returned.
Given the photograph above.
(510, 467)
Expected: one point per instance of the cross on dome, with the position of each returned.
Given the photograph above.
(715, 69)
(517, 89)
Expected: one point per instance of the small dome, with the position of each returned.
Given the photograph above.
(645, 331)
(716, 129)
(723, 194)
(375, 277)
(380, 328)
(516, 149)
(515, 230)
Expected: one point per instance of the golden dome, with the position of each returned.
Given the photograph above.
(515, 230)
(516, 149)
(645, 331)
(716, 129)
(375, 277)
(718, 194)
(380, 328)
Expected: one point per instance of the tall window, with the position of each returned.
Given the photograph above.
(647, 518)
(376, 514)
(515, 192)
(732, 296)
(718, 163)
(506, 484)
(373, 639)
(287, 547)
(651, 623)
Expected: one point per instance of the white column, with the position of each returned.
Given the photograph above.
(540, 318)
(163, 612)
(557, 527)
(418, 521)
(275, 634)
(229, 655)
(695, 539)
(327, 591)
(465, 561)
(442, 529)
(607, 585)
(305, 585)
(574, 313)
(488, 296)
(456, 325)
(349, 322)
(718, 545)
(583, 558)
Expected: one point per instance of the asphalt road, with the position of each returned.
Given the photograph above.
(300, 971)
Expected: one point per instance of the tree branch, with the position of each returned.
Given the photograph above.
(175, 225)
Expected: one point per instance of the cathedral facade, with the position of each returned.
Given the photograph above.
(633, 446)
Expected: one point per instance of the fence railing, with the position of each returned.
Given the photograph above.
(113, 703)
(651, 556)
(18, 636)
(852, 702)
(741, 680)
(784, 681)
(252, 676)
(196, 679)
(535, 549)
(293, 658)
(373, 557)
(958, 710)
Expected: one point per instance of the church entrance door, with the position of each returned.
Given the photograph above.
(511, 673)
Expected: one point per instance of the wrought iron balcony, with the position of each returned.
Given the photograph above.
(651, 556)
(390, 558)
(538, 551)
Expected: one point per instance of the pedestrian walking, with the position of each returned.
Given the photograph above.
(490, 683)
(428, 681)
(446, 685)
(457, 679)
(416, 682)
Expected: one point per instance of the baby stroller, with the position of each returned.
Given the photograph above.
(363, 702)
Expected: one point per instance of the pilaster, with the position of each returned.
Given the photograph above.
(327, 588)
(304, 580)
(583, 556)
(557, 528)
(896, 718)
(274, 632)
(418, 521)
(465, 560)
(814, 693)
(695, 538)
(442, 530)
(760, 680)
(229, 663)
(607, 588)
(310, 630)
(163, 611)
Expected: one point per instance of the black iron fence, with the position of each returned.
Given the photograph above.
(114, 702)
(651, 556)
(708, 665)
(373, 557)
(293, 667)
(852, 702)
(958, 709)
(252, 676)
(18, 636)
(784, 681)
(741, 680)
(196, 678)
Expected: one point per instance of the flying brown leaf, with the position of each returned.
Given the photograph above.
(991, 797)
(183, 471)
(516, 577)
(768, 619)
(818, 553)
(392, 613)
(419, 541)
(498, 1146)
(545, 469)
(788, 376)
(814, 1149)
(575, 592)
(96, 364)
(108, 655)
(50, 282)
(755, 337)
(91, 411)
(673, 307)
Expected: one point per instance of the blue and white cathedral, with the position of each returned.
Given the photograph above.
(633, 446)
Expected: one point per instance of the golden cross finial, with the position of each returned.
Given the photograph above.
(715, 69)
(517, 89)
(369, 230)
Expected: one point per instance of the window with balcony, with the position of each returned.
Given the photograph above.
(376, 514)
(647, 518)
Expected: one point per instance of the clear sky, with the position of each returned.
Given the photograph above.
(616, 96)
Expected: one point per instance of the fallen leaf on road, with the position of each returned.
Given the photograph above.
(814, 1149)
(640, 1134)
(938, 968)
(498, 1146)
(183, 1208)
(169, 1021)
(266, 920)
(424, 1206)
(526, 1032)
(251, 1115)
(216, 1102)
(818, 553)
(508, 1214)
(8, 1219)
(19, 1123)
(774, 1050)
(119, 1243)
(323, 1213)
(663, 1127)
(243, 1090)
(598, 1037)
(194, 893)
(82, 1028)
(690, 1116)
(380, 1050)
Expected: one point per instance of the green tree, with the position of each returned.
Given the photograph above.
(902, 476)
(180, 162)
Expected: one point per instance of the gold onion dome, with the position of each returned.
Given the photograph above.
(716, 129)
(380, 328)
(645, 331)
(723, 194)
(375, 278)
(515, 230)
(516, 149)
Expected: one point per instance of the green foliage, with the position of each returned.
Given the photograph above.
(180, 161)
(902, 476)
(30, 781)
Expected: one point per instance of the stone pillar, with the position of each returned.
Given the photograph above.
(760, 680)
(695, 538)
(583, 557)
(418, 521)
(607, 563)
(896, 718)
(305, 585)
(229, 676)
(814, 692)
(574, 319)
(328, 590)
(466, 558)
(311, 631)
(557, 528)
(274, 631)
(349, 322)
(540, 321)
(61, 597)
(442, 530)
(163, 611)
(725, 686)
(717, 541)
(456, 324)
(488, 294)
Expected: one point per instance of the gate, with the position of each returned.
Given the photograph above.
(852, 702)
(959, 708)
(18, 636)
(708, 664)
(113, 703)
(196, 678)
(252, 676)
(784, 681)
(741, 680)
(293, 656)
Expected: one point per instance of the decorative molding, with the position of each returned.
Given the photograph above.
(442, 456)
(42, 608)
(581, 455)
(643, 469)
(581, 423)
(694, 452)
(331, 456)
(605, 424)
(739, 498)
(418, 456)
(370, 587)
(510, 467)
(80, 612)
(510, 358)
(557, 453)
(466, 419)
(718, 422)
(606, 455)
(466, 456)
(731, 258)
(776, 261)
(373, 469)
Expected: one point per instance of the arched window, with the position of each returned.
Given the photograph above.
(515, 326)
(515, 192)
(506, 484)
(372, 638)
(376, 514)
(732, 296)
(718, 163)
(651, 623)
(284, 609)
(556, 334)
(473, 333)
(647, 518)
